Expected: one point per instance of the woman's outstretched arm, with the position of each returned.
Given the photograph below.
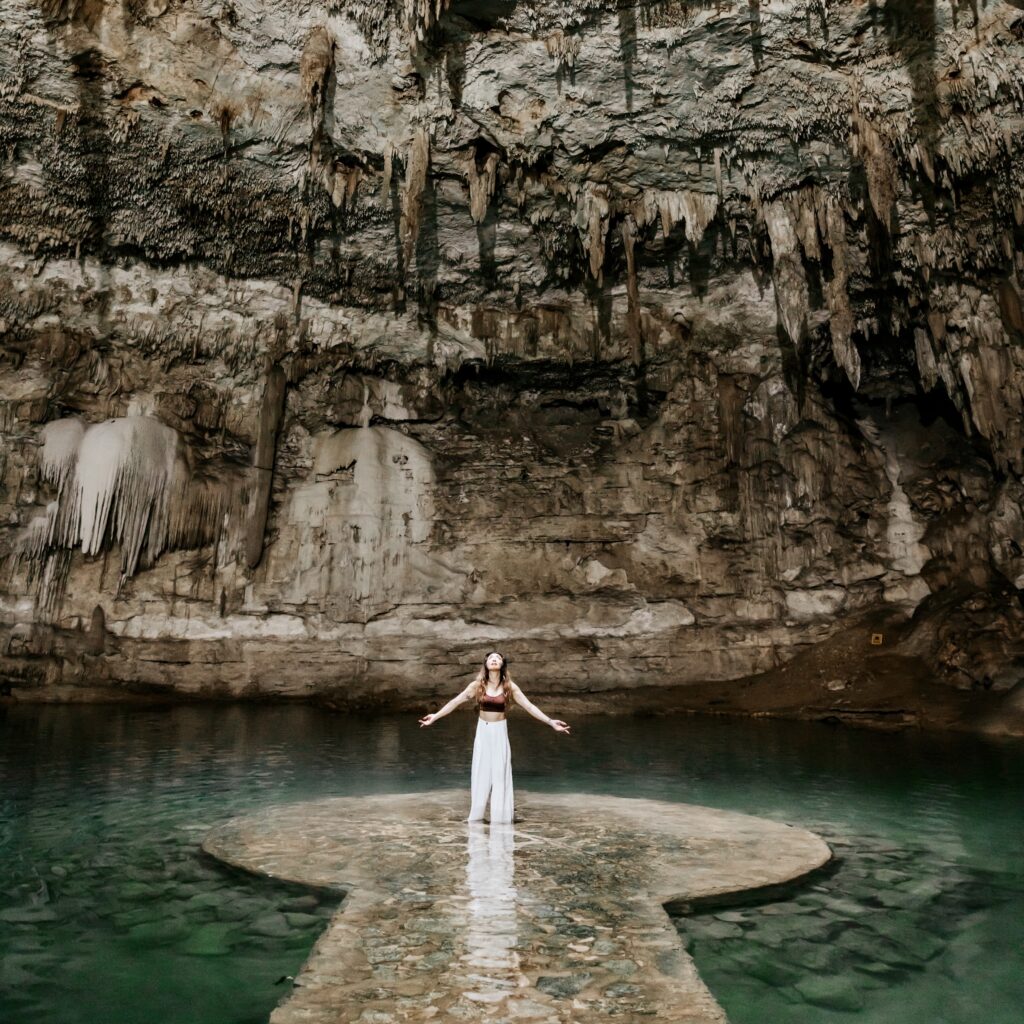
(524, 702)
(466, 694)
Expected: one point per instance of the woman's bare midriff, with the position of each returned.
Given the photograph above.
(492, 716)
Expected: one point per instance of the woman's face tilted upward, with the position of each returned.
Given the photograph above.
(494, 662)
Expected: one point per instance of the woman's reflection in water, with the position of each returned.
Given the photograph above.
(491, 935)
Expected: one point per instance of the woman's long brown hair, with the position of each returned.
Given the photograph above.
(503, 677)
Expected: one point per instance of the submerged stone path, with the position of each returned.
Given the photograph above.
(559, 917)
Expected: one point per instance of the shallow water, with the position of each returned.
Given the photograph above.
(109, 912)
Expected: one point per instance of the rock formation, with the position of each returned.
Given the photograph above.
(652, 342)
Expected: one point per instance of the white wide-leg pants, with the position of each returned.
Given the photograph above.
(492, 772)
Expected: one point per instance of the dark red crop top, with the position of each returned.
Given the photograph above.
(489, 703)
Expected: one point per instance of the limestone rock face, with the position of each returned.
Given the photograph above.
(647, 342)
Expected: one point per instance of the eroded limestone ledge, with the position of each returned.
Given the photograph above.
(558, 917)
(650, 341)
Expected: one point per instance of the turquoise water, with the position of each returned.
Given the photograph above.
(109, 911)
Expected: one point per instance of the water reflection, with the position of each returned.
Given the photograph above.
(105, 805)
(492, 933)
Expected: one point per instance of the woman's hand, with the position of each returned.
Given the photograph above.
(428, 719)
(558, 725)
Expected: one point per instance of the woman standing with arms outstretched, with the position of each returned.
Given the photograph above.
(494, 691)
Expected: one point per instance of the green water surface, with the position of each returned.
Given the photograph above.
(110, 913)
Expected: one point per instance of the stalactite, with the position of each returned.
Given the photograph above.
(919, 154)
(667, 206)
(389, 165)
(632, 290)
(59, 450)
(837, 291)
(803, 217)
(263, 451)
(968, 344)
(562, 49)
(35, 540)
(315, 69)
(925, 354)
(124, 481)
(197, 510)
(49, 577)
(593, 210)
(422, 15)
(123, 477)
(344, 181)
(791, 294)
(879, 166)
(481, 185)
(806, 210)
(417, 166)
(1011, 305)
(697, 209)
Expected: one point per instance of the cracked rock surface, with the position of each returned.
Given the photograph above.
(652, 343)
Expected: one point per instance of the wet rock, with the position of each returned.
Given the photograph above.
(160, 932)
(205, 901)
(721, 930)
(915, 941)
(130, 918)
(622, 989)
(812, 957)
(16, 972)
(301, 904)
(774, 972)
(209, 940)
(563, 986)
(732, 916)
(830, 993)
(527, 1009)
(620, 966)
(434, 961)
(273, 925)
(138, 892)
(303, 920)
(503, 956)
(28, 915)
(384, 954)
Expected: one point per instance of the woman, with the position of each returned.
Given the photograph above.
(493, 690)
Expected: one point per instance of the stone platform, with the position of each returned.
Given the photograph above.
(558, 917)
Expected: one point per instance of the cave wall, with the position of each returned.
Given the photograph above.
(647, 342)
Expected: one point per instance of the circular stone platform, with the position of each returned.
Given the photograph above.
(558, 917)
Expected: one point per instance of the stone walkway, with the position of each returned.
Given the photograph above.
(559, 917)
